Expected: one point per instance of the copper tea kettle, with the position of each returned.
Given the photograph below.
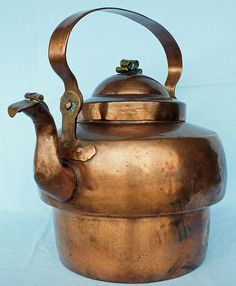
(129, 180)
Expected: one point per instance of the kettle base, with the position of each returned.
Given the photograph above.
(132, 250)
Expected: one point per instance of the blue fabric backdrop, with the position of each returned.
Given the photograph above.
(205, 31)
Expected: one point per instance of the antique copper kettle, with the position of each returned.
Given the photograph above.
(129, 180)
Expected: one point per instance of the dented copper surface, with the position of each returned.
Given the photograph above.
(130, 181)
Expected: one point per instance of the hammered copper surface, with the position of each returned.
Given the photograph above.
(130, 181)
(132, 249)
(149, 169)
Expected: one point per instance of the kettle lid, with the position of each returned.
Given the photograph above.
(131, 96)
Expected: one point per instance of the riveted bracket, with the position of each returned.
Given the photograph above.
(78, 150)
(71, 147)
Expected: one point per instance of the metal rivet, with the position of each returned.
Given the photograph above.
(68, 104)
(78, 149)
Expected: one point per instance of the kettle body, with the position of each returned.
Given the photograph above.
(129, 180)
(142, 210)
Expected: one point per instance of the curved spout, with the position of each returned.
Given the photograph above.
(54, 177)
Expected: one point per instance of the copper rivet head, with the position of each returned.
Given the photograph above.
(68, 104)
(78, 149)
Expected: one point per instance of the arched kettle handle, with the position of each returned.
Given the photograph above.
(72, 100)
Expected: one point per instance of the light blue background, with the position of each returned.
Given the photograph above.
(206, 33)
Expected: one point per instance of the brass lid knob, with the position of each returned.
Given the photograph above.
(129, 66)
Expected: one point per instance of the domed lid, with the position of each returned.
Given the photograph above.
(131, 96)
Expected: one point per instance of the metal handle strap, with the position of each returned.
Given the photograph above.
(72, 100)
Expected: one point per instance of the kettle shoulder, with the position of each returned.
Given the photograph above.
(150, 148)
(155, 146)
(140, 131)
(164, 168)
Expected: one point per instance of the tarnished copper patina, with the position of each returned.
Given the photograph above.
(130, 181)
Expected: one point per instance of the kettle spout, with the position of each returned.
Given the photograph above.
(55, 177)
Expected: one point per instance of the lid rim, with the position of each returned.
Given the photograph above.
(171, 110)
